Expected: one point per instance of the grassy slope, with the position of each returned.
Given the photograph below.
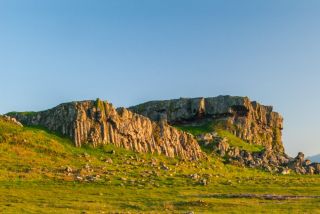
(213, 126)
(31, 180)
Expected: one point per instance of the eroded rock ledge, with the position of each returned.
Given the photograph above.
(98, 122)
(250, 121)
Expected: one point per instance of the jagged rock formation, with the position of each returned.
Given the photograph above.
(99, 122)
(250, 121)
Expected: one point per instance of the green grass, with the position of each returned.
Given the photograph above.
(197, 129)
(218, 127)
(237, 142)
(33, 180)
(22, 113)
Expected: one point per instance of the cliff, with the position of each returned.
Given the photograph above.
(98, 122)
(250, 121)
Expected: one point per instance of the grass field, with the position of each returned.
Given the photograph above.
(33, 179)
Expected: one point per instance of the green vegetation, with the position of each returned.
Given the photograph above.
(99, 104)
(22, 113)
(33, 179)
(237, 142)
(197, 129)
(222, 132)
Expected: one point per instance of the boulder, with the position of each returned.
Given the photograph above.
(285, 171)
(222, 146)
(316, 167)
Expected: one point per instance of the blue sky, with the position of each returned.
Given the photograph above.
(129, 52)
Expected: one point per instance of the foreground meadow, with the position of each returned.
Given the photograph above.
(44, 173)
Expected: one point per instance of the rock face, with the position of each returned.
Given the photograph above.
(98, 122)
(250, 121)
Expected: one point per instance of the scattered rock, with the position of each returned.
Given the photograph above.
(108, 160)
(68, 169)
(164, 167)
(222, 146)
(204, 182)
(92, 178)
(285, 171)
(79, 178)
(194, 176)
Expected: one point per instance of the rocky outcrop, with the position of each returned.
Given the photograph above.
(98, 122)
(250, 121)
(265, 159)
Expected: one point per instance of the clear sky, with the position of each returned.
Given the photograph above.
(131, 51)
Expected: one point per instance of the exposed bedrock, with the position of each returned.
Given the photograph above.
(98, 122)
(250, 121)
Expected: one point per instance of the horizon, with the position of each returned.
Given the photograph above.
(128, 53)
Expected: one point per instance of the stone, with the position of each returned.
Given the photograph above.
(206, 137)
(108, 160)
(164, 167)
(311, 170)
(204, 182)
(79, 178)
(316, 167)
(234, 152)
(68, 169)
(285, 171)
(307, 162)
(222, 146)
(154, 162)
(194, 176)
(300, 157)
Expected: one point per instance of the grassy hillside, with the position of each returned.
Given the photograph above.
(216, 126)
(40, 173)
